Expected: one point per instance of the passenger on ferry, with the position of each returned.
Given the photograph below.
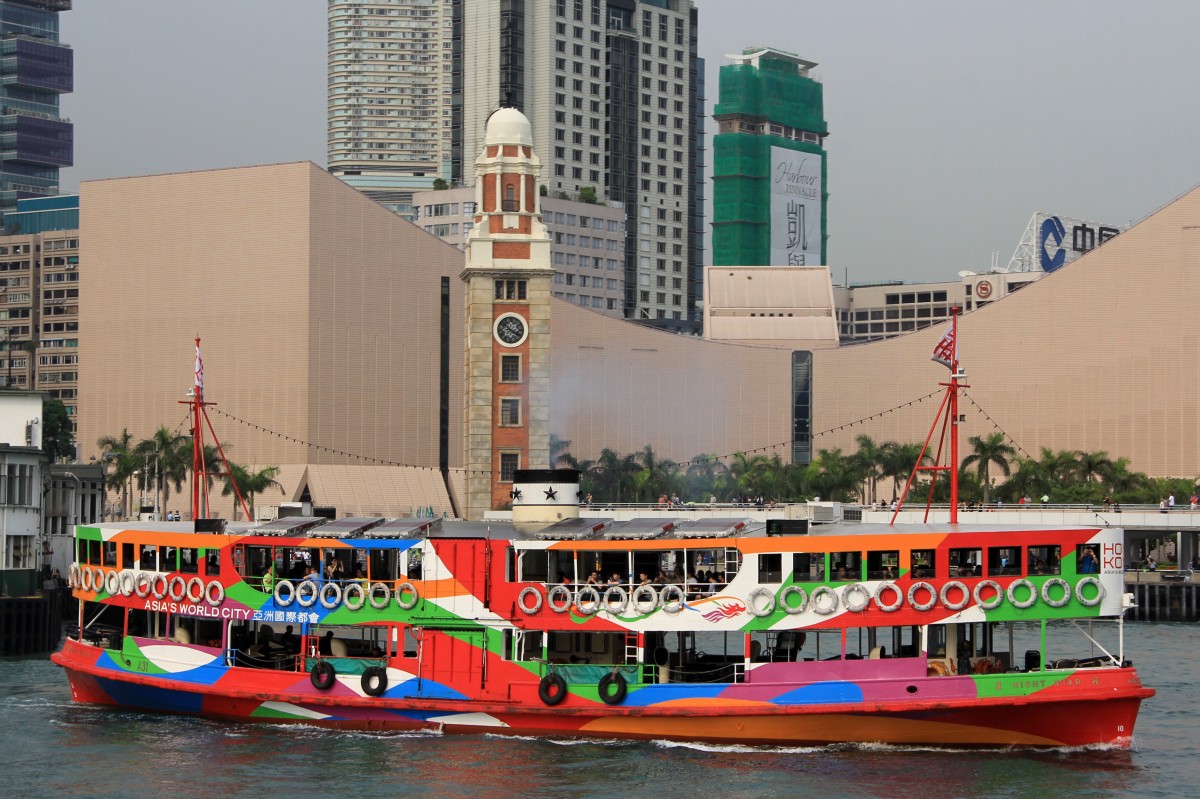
(325, 645)
(615, 579)
(661, 578)
(643, 579)
(593, 578)
(288, 640)
(841, 572)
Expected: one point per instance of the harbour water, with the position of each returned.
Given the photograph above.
(50, 747)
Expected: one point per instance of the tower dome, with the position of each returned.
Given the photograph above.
(508, 126)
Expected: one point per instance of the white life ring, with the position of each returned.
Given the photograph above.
(1056, 582)
(112, 583)
(889, 607)
(407, 604)
(359, 593)
(965, 594)
(672, 599)
(997, 598)
(285, 593)
(558, 599)
(789, 592)
(767, 608)
(97, 579)
(588, 594)
(73, 575)
(331, 596)
(817, 603)
(176, 588)
(195, 590)
(141, 585)
(641, 606)
(529, 591)
(127, 581)
(214, 593)
(380, 596)
(159, 586)
(616, 599)
(1012, 593)
(85, 578)
(862, 591)
(1094, 601)
(306, 593)
(912, 593)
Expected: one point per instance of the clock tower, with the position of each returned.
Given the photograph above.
(508, 274)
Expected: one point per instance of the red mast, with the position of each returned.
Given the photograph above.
(200, 474)
(946, 352)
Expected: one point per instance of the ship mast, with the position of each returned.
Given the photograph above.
(200, 473)
(946, 353)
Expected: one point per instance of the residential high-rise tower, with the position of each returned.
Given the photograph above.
(769, 175)
(35, 69)
(612, 90)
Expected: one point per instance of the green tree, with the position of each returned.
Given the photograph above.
(587, 194)
(440, 184)
(117, 453)
(897, 462)
(250, 484)
(869, 462)
(57, 439)
(988, 451)
(1093, 465)
(169, 454)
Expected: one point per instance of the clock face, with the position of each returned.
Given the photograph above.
(510, 330)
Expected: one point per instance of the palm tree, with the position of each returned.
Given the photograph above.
(614, 474)
(172, 455)
(250, 483)
(560, 454)
(833, 475)
(897, 462)
(118, 451)
(869, 460)
(1096, 464)
(988, 451)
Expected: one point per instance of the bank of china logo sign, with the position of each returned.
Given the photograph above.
(1055, 250)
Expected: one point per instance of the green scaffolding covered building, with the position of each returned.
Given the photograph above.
(769, 177)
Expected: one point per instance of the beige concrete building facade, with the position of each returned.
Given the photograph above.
(320, 318)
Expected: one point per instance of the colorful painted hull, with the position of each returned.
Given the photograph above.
(817, 703)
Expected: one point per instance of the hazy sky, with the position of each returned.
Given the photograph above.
(950, 122)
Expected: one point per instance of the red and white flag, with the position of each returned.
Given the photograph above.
(946, 351)
(199, 374)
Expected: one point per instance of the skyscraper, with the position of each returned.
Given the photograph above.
(611, 88)
(769, 178)
(389, 96)
(35, 68)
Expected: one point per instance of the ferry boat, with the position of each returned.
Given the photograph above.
(723, 630)
(765, 629)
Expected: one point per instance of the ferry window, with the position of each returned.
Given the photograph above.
(212, 566)
(381, 565)
(166, 559)
(923, 563)
(189, 561)
(127, 556)
(1003, 560)
(413, 572)
(966, 562)
(1045, 560)
(534, 566)
(256, 562)
(845, 565)
(529, 645)
(770, 568)
(561, 564)
(1086, 561)
(808, 568)
(605, 565)
(89, 552)
(883, 565)
(110, 553)
(147, 562)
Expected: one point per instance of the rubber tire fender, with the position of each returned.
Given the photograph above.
(615, 681)
(323, 675)
(374, 681)
(552, 689)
